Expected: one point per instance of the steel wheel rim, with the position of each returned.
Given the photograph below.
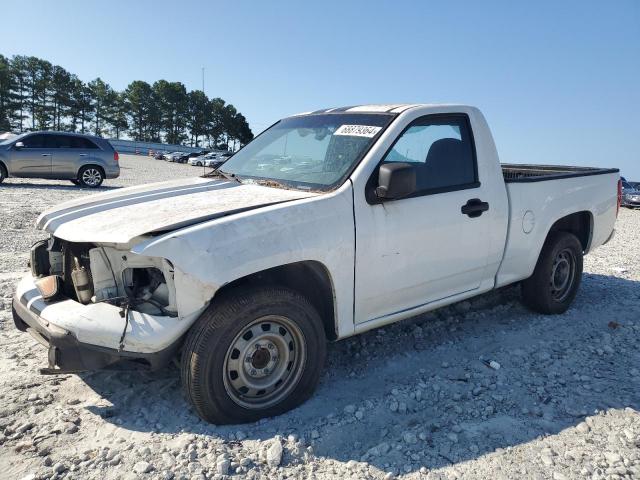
(563, 271)
(264, 362)
(91, 177)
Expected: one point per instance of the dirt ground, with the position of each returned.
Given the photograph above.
(413, 400)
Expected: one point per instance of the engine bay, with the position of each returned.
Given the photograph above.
(90, 273)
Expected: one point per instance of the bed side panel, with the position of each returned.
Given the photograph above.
(536, 206)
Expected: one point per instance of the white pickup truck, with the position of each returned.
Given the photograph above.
(328, 224)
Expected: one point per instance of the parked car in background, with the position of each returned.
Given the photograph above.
(202, 160)
(217, 162)
(630, 194)
(198, 161)
(84, 159)
(173, 156)
(213, 159)
(182, 158)
(160, 155)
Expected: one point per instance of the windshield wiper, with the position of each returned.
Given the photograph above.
(267, 182)
(216, 172)
(229, 176)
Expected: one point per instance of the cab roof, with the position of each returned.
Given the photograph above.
(372, 108)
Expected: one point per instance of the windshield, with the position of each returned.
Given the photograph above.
(308, 152)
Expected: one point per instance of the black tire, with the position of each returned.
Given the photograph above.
(3, 173)
(90, 176)
(219, 365)
(556, 278)
(75, 181)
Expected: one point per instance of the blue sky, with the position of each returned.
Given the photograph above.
(559, 81)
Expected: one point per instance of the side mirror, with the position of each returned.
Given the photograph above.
(18, 145)
(396, 180)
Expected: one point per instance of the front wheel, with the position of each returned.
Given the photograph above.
(556, 278)
(90, 176)
(253, 354)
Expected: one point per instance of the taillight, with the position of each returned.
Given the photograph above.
(619, 196)
(116, 157)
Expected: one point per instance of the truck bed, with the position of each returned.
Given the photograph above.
(536, 173)
(536, 204)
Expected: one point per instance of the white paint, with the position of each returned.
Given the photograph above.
(101, 324)
(410, 255)
(376, 107)
(419, 253)
(217, 252)
(528, 221)
(118, 217)
(550, 201)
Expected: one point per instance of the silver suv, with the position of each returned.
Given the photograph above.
(84, 159)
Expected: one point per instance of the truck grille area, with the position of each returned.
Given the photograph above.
(91, 273)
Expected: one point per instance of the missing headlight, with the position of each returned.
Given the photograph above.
(147, 286)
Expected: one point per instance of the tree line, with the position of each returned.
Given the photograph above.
(37, 95)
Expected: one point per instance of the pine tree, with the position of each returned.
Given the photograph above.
(36, 95)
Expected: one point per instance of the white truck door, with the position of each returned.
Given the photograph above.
(433, 244)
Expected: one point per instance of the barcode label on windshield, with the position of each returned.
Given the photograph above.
(357, 130)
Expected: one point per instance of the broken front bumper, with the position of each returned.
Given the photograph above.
(86, 337)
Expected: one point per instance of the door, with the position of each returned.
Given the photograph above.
(32, 160)
(434, 244)
(70, 153)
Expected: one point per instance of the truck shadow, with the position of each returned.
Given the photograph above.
(424, 396)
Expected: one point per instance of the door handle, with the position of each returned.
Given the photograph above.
(45, 154)
(474, 208)
(83, 154)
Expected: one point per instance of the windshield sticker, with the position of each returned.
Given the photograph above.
(357, 130)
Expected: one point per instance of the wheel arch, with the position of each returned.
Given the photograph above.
(96, 165)
(4, 168)
(309, 278)
(578, 223)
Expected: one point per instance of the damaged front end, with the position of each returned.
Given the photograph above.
(93, 305)
(90, 274)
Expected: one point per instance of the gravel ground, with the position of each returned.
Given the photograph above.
(413, 400)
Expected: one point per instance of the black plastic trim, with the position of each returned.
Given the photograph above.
(70, 355)
(563, 172)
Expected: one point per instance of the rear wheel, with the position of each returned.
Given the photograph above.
(255, 353)
(90, 176)
(556, 278)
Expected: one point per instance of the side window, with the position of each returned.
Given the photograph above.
(34, 141)
(76, 142)
(59, 141)
(86, 143)
(441, 151)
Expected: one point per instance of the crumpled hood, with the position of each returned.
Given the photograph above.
(120, 215)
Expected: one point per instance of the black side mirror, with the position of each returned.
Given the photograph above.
(396, 180)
